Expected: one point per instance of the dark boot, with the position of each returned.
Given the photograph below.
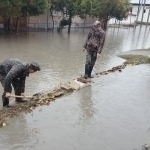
(5, 101)
(86, 71)
(90, 71)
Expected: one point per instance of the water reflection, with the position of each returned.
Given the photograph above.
(16, 134)
(87, 104)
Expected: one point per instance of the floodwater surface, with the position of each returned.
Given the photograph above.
(112, 114)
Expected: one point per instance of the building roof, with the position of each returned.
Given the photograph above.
(136, 2)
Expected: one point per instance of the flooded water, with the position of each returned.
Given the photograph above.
(112, 114)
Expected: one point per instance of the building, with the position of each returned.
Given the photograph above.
(144, 12)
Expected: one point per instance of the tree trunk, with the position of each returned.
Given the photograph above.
(52, 17)
(84, 24)
(47, 18)
(17, 24)
(5, 23)
(106, 22)
(28, 23)
(105, 25)
(8, 25)
(70, 21)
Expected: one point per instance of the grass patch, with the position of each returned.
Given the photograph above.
(139, 59)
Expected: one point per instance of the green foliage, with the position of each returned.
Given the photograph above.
(107, 9)
(34, 7)
(83, 8)
(10, 8)
(64, 22)
(17, 8)
(96, 8)
(66, 7)
(101, 9)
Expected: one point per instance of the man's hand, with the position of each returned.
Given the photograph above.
(8, 95)
(83, 49)
(98, 55)
(22, 94)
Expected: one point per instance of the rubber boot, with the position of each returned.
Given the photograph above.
(90, 71)
(86, 71)
(5, 101)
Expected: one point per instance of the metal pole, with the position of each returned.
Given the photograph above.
(138, 14)
(148, 16)
(139, 6)
(143, 11)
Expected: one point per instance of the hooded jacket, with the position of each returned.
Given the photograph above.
(95, 40)
(14, 69)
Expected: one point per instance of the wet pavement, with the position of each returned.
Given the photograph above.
(112, 114)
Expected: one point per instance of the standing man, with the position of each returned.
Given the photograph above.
(14, 71)
(93, 45)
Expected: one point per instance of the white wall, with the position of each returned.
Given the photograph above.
(131, 19)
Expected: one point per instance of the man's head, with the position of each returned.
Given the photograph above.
(33, 67)
(97, 24)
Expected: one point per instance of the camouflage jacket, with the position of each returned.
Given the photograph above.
(95, 40)
(13, 69)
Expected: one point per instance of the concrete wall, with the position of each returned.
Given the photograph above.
(41, 21)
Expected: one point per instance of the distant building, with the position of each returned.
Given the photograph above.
(136, 2)
(132, 17)
(41, 21)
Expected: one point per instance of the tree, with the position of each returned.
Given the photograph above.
(21, 8)
(9, 9)
(106, 9)
(51, 7)
(83, 8)
(34, 7)
(68, 10)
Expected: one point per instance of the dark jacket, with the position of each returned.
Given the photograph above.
(14, 70)
(95, 40)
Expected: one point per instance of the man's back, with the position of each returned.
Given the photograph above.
(7, 64)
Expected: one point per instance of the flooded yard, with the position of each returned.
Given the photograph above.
(112, 114)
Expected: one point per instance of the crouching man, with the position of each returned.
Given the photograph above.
(14, 72)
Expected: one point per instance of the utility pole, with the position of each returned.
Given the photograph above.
(143, 11)
(138, 14)
(148, 16)
(139, 6)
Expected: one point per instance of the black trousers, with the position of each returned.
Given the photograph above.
(17, 89)
(91, 57)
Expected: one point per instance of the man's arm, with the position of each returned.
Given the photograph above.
(89, 35)
(101, 43)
